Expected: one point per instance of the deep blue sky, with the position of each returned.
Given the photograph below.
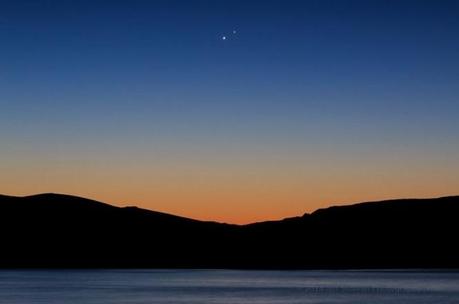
(351, 88)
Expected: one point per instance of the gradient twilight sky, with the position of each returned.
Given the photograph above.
(309, 104)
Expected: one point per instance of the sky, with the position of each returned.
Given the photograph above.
(304, 105)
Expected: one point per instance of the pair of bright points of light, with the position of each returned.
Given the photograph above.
(224, 37)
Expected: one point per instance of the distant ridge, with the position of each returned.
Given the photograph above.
(55, 230)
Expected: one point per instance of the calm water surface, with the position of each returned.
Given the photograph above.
(226, 286)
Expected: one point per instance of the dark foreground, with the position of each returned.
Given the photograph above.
(226, 287)
(58, 231)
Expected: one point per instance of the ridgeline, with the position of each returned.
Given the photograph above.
(62, 231)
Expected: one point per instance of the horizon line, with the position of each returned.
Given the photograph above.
(214, 221)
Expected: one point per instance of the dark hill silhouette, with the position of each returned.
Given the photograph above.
(54, 230)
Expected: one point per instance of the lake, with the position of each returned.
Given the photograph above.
(226, 287)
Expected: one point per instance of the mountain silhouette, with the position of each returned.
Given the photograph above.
(57, 231)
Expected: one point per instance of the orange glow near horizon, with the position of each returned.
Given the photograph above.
(242, 185)
(233, 195)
